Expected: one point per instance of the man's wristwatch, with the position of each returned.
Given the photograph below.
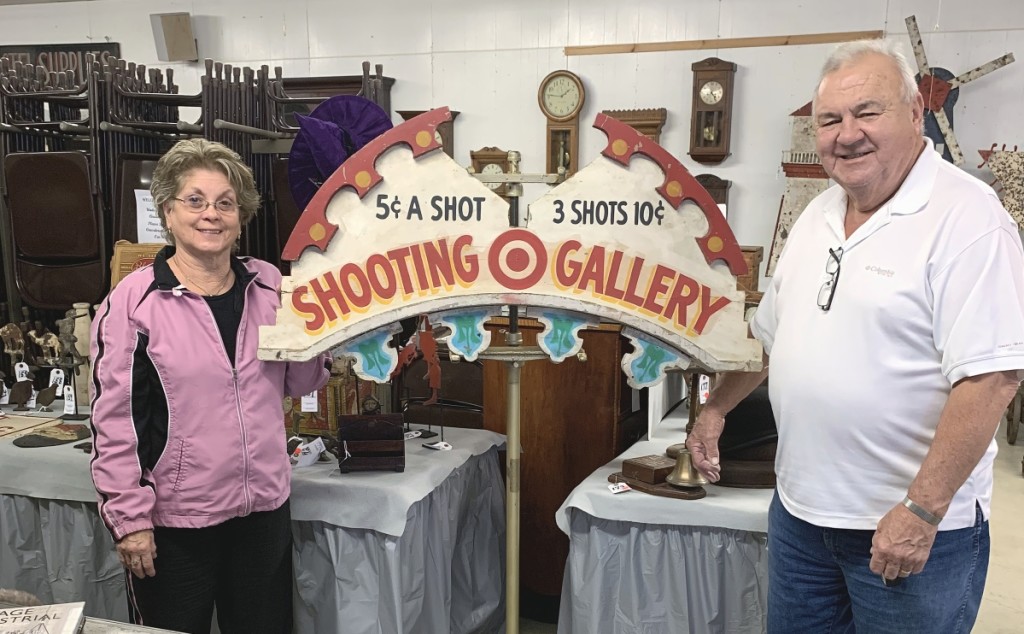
(921, 512)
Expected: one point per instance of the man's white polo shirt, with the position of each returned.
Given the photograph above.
(930, 291)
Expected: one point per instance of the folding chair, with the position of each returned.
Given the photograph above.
(56, 229)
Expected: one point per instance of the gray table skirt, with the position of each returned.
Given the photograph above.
(60, 551)
(627, 577)
(444, 574)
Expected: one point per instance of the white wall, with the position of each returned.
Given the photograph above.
(486, 59)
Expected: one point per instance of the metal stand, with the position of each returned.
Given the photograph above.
(514, 355)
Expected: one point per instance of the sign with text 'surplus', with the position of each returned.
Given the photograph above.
(401, 230)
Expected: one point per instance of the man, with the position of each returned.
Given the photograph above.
(895, 328)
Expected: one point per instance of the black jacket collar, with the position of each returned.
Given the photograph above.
(165, 279)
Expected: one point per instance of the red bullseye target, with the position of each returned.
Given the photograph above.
(517, 259)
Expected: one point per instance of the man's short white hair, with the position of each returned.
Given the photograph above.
(852, 51)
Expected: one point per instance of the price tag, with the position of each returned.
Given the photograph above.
(57, 378)
(5, 394)
(705, 388)
(409, 435)
(308, 453)
(310, 403)
(20, 371)
(69, 400)
(619, 487)
(32, 401)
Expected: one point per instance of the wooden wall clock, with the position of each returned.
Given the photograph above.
(445, 132)
(561, 97)
(647, 122)
(711, 112)
(717, 187)
(491, 160)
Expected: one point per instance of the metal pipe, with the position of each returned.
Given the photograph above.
(220, 124)
(67, 126)
(113, 127)
(512, 494)
(514, 356)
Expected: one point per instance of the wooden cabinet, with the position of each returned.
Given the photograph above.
(575, 417)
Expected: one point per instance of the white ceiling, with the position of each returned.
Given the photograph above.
(10, 2)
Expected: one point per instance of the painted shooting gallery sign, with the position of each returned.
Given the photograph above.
(401, 230)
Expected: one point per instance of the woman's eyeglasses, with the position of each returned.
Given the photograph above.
(828, 289)
(199, 204)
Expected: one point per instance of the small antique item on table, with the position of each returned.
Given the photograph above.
(21, 393)
(71, 360)
(47, 396)
(685, 475)
(650, 469)
(52, 436)
(14, 343)
(371, 443)
(682, 481)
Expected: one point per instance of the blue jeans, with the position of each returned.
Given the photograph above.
(819, 581)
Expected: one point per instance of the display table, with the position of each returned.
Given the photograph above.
(419, 551)
(641, 563)
(94, 625)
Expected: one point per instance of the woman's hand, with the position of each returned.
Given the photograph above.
(137, 552)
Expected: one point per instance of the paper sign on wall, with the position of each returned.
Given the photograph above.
(146, 218)
(310, 403)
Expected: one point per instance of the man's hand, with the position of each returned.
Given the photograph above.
(703, 443)
(137, 552)
(901, 544)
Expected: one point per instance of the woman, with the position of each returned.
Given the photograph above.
(189, 454)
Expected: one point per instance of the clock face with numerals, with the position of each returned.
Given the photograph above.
(561, 96)
(492, 168)
(711, 92)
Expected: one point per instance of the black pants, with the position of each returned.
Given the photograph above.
(244, 566)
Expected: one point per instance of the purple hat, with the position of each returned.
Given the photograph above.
(334, 131)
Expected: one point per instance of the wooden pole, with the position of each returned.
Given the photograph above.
(735, 42)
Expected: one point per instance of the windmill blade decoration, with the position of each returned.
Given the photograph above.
(940, 90)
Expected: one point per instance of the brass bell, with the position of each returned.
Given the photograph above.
(685, 475)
